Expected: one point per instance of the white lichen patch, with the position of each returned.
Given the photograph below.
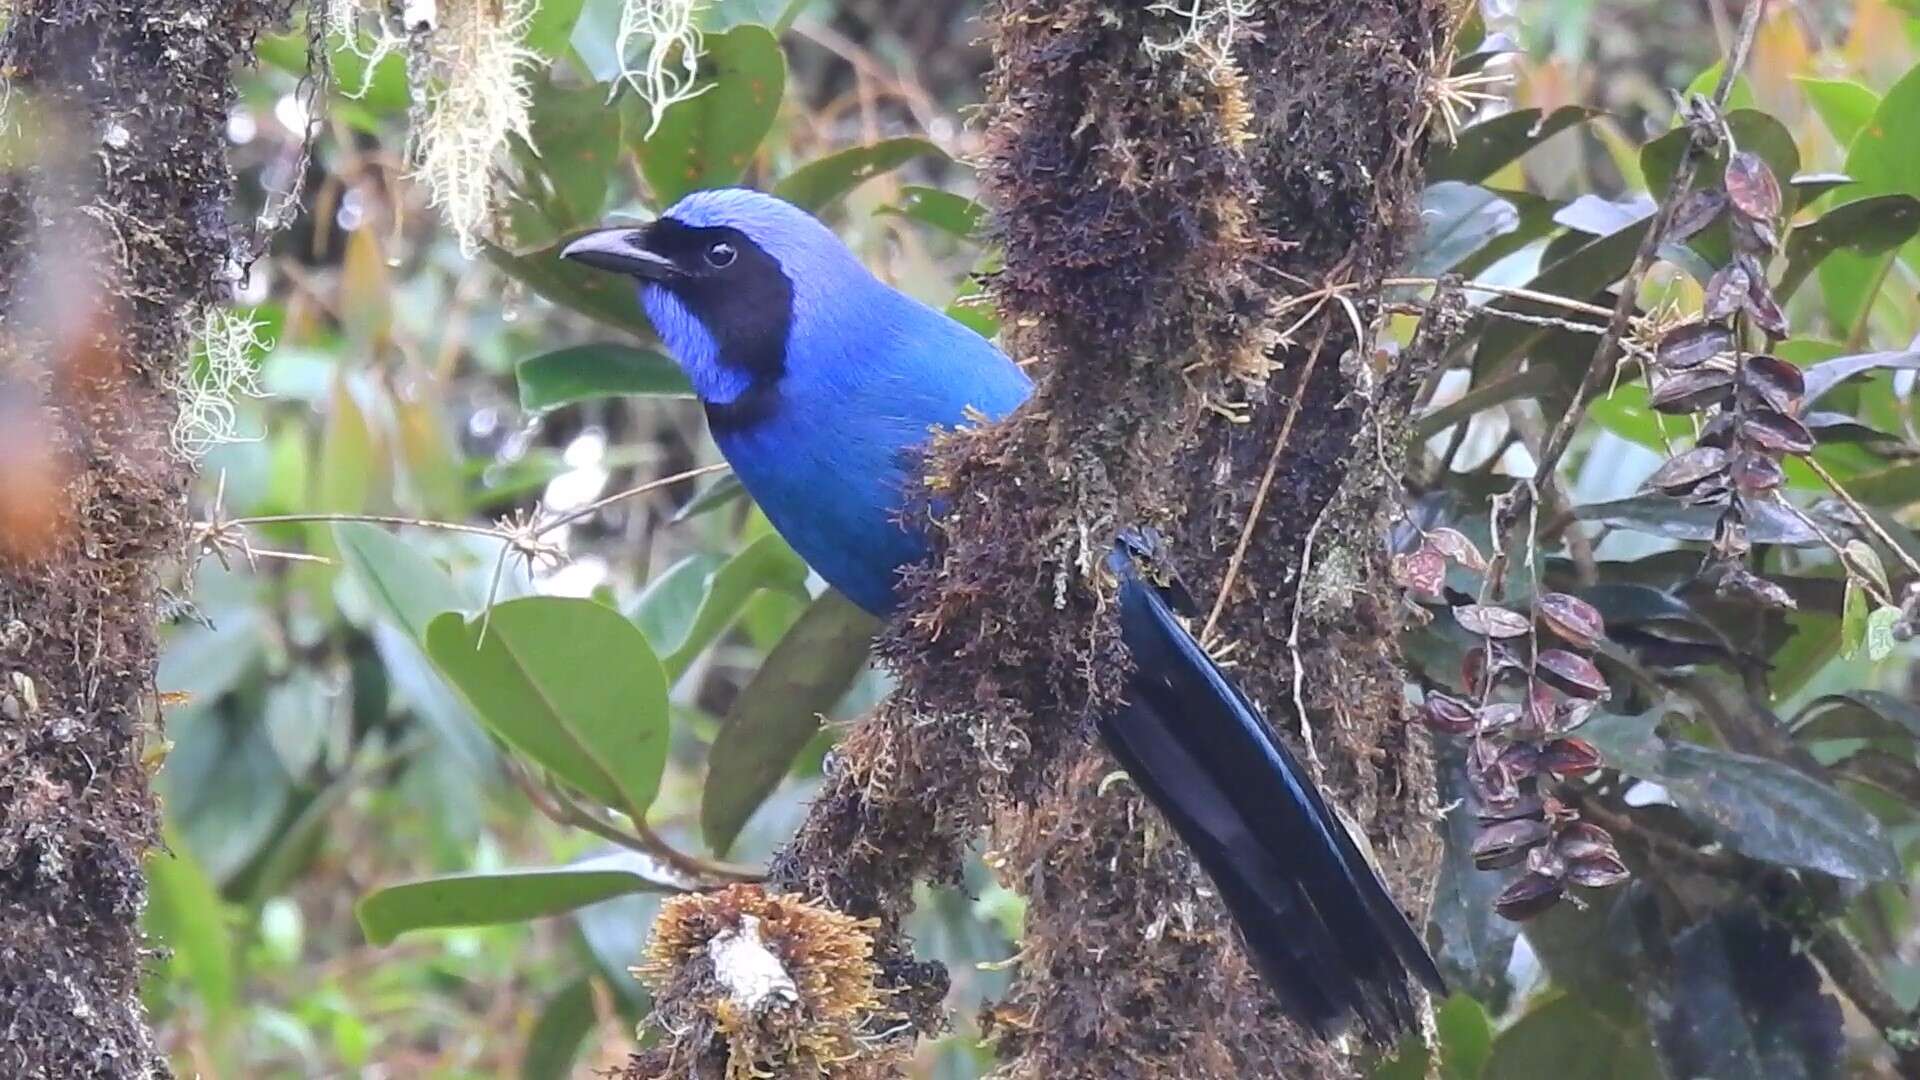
(221, 372)
(470, 75)
(668, 68)
(1203, 29)
(753, 976)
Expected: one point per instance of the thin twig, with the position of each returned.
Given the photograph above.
(1860, 512)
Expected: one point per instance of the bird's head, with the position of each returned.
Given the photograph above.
(727, 277)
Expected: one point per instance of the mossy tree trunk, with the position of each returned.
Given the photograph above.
(1169, 182)
(114, 189)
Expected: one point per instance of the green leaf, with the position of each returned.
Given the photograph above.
(722, 492)
(1474, 946)
(609, 298)
(1662, 515)
(587, 372)
(186, 915)
(346, 455)
(1853, 620)
(552, 26)
(665, 609)
(1844, 106)
(1580, 275)
(779, 710)
(576, 144)
(816, 184)
(407, 586)
(767, 563)
(708, 141)
(1737, 995)
(385, 93)
(1753, 131)
(562, 1028)
(1880, 639)
(1870, 226)
(1458, 220)
(955, 215)
(1758, 807)
(568, 683)
(508, 896)
(1466, 1037)
(1566, 1039)
(1884, 159)
(1491, 145)
(1824, 376)
(1858, 714)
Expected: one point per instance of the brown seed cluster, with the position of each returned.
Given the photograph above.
(1524, 703)
(790, 986)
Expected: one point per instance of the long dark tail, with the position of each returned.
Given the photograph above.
(1317, 921)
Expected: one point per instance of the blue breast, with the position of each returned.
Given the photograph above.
(830, 461)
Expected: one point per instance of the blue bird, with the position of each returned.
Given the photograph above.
(820, 382)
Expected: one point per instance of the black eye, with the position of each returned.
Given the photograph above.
(721, 255)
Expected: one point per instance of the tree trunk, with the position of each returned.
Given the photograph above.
(114, 188)
(1168, 180)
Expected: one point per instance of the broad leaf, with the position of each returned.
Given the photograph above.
(1489, 146)
(408, 587)
(1858, 714)
(1753, 131)
(1757, 807)
(562, 1027)
(1844, 106)
(507, 896)
(570, 684)
(1458, 220)
(767, 563)
(722, 492)
(815, 185)
(1660, 515)
(587, 372)
(955, 215)
(1826, 375)
(1868, 226)
(609, 298)
(1884, 159)
(709, 140)
(1740, 997)
(1567, 1039)
(779, 711)
(187, 917)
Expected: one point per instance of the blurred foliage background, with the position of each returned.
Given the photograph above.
(333, 735)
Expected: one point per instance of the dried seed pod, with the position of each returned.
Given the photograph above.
(1600, 872)
(1583, 840)
(1507, 843)
(1571, 673)
(1572, 713)
(1421, 572)
(1447, 714)
(1717, 432)
(1571, 619)
(1569, 758)
(1692, 391)
(1695, 212)
(1692, 344)
(1726, 292)
(1764, 308)
(1741, 583)
(1521, 760)
(1754, 237)
(1714, 491)
(1775, 432)
(1756, 473)
(1537, 715)
(1499, 716)
(1751, 186)
(1773, 382)
(1730, 540)
(1529, 895)
(1488, 620)
(1681, 474)
(1454, 545)
(1523, 805)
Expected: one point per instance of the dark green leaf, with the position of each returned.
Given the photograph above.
(570, 684)
(551, 26)
(226, 791)
(564, 1023)
(721, 492)
(186, 916)
(1884, 159)
(1828, 374)
(1866, 226)
(1858, 714)
(1474, 944)
(576, 143)
(1753, 131)
(708, 141)
(1458, 220)
(1740, 997)
(407, 586)
(1659, 515)
(778, 712)
(507, 896)
(1581, 275)
(665, 609)
(1486, 147)
(1466, 1037)
(816, 184)
(609, 298)
(955, 215)
(1845, 107)
(1520, 384)
(587, 372)
(1566, 1039)
(767, 563)
(1758, 807)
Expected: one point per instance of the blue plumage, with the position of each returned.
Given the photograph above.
(820, 384)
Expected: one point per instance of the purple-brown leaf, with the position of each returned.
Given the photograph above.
(1571, 673)
(1680, 474)
(1566, 758)
(1695, 212)
(1447, 714)
(1488, 620)
(1756, 473)
(1775, 432)
(1692, 344)
(1454, 545)
(1571, 619)
(1691, 391)
(1751, 186)
(1773, 382)
(1726, 292)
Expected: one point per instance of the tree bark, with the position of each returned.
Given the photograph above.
(114, 188)
(1168, 181)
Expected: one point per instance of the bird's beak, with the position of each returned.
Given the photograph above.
(622, 251)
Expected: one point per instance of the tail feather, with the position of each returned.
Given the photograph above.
(1318, 922)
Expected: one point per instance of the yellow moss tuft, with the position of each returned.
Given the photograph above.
(789, 986)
